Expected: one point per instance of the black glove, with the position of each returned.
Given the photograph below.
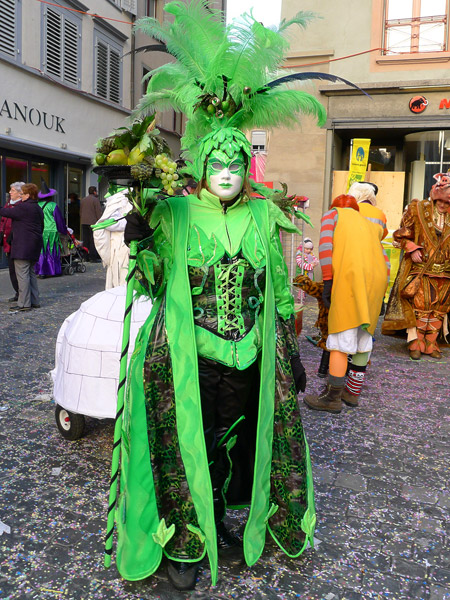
(136, 228)
(298, 371)
(326, 294)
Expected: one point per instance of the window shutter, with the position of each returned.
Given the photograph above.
(102, 70)
(53, 40)
(70, 52)
(8, 37)
(114, 75)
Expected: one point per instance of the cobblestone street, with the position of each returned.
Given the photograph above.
(381, 471)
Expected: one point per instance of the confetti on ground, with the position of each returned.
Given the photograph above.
(381, 474)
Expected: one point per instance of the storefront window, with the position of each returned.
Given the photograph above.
(16, 170)
(74, 179)
(426, 153)
(40, 171)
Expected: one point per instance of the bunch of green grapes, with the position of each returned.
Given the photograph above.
(168, 172)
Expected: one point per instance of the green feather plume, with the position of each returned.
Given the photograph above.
(221, 76)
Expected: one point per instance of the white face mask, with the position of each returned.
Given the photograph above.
(226, 185)
(225, 176)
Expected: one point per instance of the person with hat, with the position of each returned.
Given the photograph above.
(420, 296)
(212, 417)
(49, 263)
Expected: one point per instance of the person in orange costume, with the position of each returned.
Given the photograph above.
(424, 236)
(355, 272)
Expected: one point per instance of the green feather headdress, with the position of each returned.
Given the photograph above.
(224, 78)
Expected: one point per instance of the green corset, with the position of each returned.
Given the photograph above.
(227, 299)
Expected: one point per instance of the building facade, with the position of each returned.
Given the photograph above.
(69, 76)
(398, 52)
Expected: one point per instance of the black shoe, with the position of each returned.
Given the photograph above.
(229, 546)
(14, 298)
(17, 308)
(182, 575)
(35, 306)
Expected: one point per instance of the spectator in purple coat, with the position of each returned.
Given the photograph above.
(49, 263)
(27, 227)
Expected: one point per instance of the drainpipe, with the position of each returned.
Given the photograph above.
(133, 63)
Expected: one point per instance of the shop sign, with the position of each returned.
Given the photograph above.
(418, 104)
(31, 115)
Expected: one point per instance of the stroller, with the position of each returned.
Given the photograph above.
(73, 254)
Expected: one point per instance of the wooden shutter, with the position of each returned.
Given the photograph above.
(53, 43)
(70, 52)
(61, 47)
(114, 75)
(102, 70)
(8, 33)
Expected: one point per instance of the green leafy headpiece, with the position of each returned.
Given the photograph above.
(225, 78)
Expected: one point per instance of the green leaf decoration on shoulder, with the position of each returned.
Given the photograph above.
(163, 533)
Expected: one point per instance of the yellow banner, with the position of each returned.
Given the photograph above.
(358, 164)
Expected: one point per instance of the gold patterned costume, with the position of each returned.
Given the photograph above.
(422, 227)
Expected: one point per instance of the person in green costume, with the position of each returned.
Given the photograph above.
(49, 263)
(211, 418)
(216, 414)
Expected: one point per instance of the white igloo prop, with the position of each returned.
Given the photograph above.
(87, 356)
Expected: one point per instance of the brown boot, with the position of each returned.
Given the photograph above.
(414, 354)
(329, 400)
(349, 398)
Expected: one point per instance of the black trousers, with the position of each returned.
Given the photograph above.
(226, 395)
(88, 241)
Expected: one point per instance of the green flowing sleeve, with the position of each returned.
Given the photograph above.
(283, 298)
(154, 259)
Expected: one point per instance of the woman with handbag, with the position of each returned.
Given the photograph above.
(420, 297)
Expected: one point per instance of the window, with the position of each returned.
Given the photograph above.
(8, 28)
(108, 68)
(259, 141)
(150, 8)
(413, 26)
(62, 46)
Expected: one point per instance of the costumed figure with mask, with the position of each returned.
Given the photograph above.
(355, 274)
(420, 297)
(211, 418)
(49, 263)
(306, 262)
(109, 241)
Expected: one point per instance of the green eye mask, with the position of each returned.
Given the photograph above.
(218, 161)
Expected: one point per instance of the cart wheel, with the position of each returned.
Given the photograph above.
(70, 270)
(81, 268)
(70, 425)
